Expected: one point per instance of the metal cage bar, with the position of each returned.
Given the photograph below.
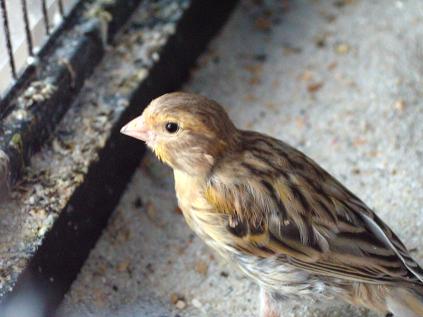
(45, 16)
(27, 27)
(27, 30)
(61, 9)
(8, 38)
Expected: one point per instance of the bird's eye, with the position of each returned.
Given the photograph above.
(172, 127)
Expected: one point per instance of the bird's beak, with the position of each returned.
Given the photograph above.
(136, 129)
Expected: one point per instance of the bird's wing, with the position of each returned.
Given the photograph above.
(288, 206)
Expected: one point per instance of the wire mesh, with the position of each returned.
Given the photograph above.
(8, 38)
(45, 16)
(25, 26)
(61, 9)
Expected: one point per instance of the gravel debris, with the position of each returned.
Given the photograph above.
(201, 267)
(180, 304)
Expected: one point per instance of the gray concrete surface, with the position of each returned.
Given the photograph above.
(342, 81)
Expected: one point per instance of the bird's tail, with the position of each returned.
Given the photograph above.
(406, 302)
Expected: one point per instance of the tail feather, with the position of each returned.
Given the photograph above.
(405, 302)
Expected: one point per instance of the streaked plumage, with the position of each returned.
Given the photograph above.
(279, 216)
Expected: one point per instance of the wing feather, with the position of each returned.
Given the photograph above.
(293, 209)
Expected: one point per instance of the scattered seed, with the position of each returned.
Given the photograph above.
(359, 141)
(181, 304)
(314, 87)
(332, 65)
(123, 266)
(250, 97)
(254, 69)
(263, 23)
(330, 18)
(306, 75)
(150, 268)
(196, 303)
(320, 40)
(201, 267)
(299, 122)
(342, 48)
(399, 105)
(342, 3)
(99, 298)
(288, 50)
(254, 81)
(174, 298)
(356, 171)
(123, 235)
(152, 214)
(260, 57)
(138, 202)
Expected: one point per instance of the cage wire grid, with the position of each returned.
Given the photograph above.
(25, 26)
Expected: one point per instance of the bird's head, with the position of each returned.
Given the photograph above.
(187, 131)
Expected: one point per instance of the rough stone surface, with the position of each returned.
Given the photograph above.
(61, 166)
(340, 80)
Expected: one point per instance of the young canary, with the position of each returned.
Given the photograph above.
(286, 222)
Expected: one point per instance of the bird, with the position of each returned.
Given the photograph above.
(276, 214)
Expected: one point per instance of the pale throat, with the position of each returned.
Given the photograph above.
(188, 188)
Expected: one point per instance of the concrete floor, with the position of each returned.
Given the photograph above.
(340, 80)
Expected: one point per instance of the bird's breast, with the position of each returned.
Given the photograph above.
(211, 226)
(200, 215)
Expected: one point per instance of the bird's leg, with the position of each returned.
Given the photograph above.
(268, 305)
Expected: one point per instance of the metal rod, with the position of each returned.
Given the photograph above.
(8, 39)
(45, 16)
(61, 10)
(27, 28)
